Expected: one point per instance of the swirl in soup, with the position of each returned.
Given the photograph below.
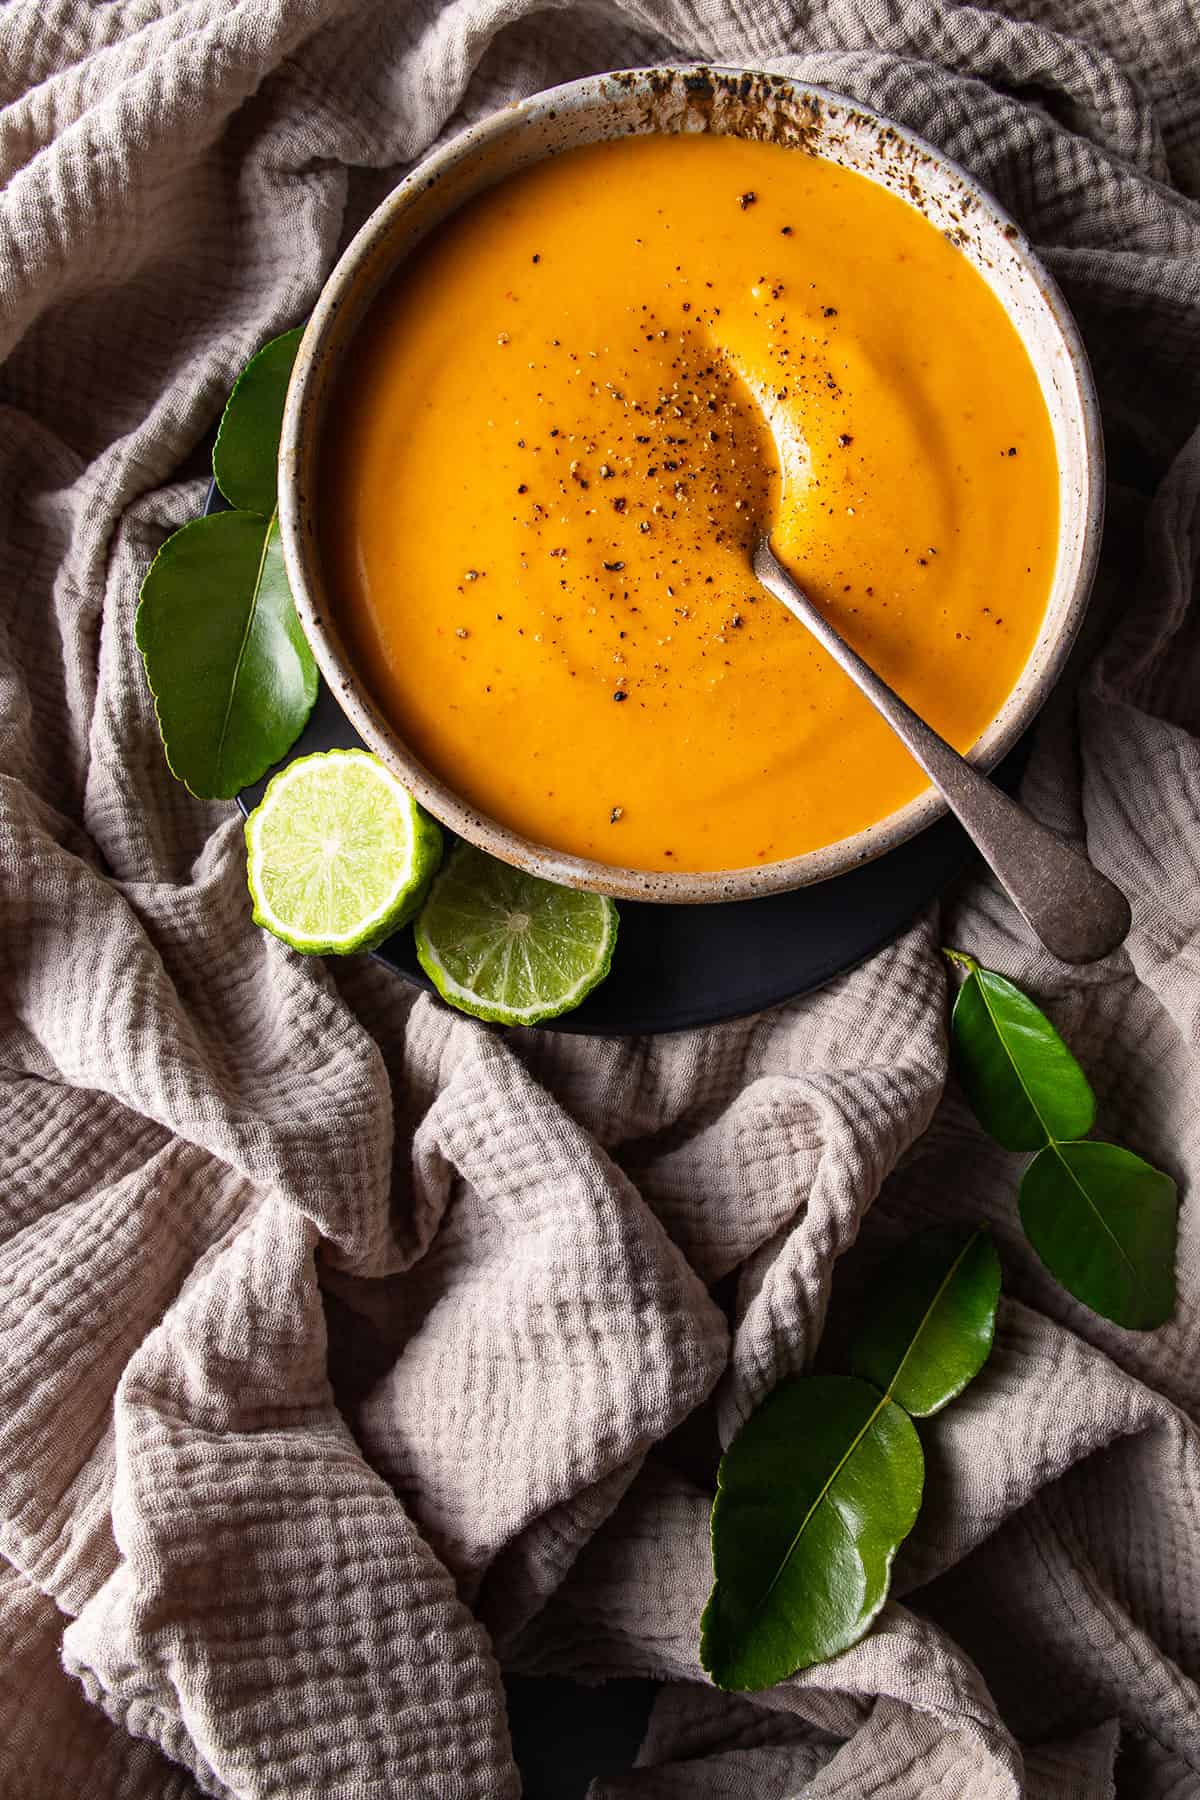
(558, 433)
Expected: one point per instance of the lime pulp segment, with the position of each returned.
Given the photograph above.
(508, 946)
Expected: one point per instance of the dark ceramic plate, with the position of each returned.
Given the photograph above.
(680, 966)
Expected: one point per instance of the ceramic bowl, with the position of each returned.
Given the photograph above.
(744, 104)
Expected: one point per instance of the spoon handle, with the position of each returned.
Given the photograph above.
(1078, 914)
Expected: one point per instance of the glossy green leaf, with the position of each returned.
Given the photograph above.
(929, 1318)
(232, 676)
(246, 453)
(1104, 1223)
(814, 1496)
(1021, 1080)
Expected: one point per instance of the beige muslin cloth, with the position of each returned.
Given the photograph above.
(342, 1340)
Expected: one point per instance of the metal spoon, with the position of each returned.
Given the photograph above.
(1076, 912)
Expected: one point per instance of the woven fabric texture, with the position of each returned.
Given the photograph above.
(343, 1342)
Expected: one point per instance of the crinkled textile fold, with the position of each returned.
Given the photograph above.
(342, 1341)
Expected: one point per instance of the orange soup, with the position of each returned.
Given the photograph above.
(562, 427)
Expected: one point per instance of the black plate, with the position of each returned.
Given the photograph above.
(680, 966)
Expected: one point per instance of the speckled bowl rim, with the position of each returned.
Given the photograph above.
(636, 101)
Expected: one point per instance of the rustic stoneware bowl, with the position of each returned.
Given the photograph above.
(743, 104)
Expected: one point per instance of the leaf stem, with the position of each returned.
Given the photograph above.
(961, 957)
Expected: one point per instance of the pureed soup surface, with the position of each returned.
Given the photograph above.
(546, 472)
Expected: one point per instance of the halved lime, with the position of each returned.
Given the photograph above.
(338, 854)
(508, 946)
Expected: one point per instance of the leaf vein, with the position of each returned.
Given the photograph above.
(1016, 1067)
(251, 614)
(1074, 1179)
(825, 1487)
(927, 1314)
